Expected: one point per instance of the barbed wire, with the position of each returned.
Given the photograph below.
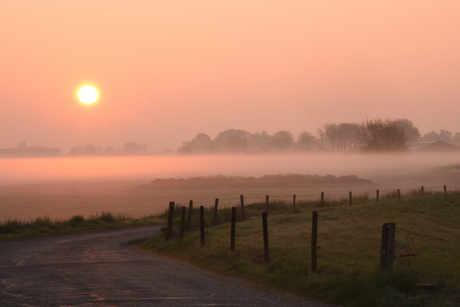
(425, 236)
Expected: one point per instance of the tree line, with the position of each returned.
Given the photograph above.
(371, 135)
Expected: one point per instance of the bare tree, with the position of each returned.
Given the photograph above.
(377, 135)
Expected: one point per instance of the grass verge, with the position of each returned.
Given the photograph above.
(348, 252)
(14, 229)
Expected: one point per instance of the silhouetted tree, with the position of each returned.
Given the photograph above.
(412, 132)
(76, 151)
(133, 148)
(341, 137)
(382, 135)
(282, 140)
(202, 143)
(259, 142)
(443, 135)
(89, 150)
(306, 142)
(22, 144)
(456, 139)
(232, 140)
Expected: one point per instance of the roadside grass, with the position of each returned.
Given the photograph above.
(14, 229)
(348, 249)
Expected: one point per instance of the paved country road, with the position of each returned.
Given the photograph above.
(104, 269)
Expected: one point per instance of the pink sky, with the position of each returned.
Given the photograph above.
(167, 70)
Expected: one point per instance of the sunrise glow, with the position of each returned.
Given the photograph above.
(88, 94)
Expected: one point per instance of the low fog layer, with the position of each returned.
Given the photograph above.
(17, 171)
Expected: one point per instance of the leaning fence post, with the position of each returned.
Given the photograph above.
(242, 208)
(445, 189)
(377, 196)
(422, 190)
(314, 240)
(322, 198)
(189, 220)
(202, 225)
(387, 246)
(182, 223)
(265, 232)
(266, 203)
(216, 205)
(169, 228)
(232, 230)
(399, 194)
(293, 204)
(350, 198)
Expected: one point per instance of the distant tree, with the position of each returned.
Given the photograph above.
(133, 148)
(412, 132)
(377, 135)
(76, 151)
(306, 142)
(109, 151)
(89, 150)
(341, 137)
(202, 143)
(232, 141)
(443, 135)
(259, 142)
(22, 144)
(456, 139)
(282, 140)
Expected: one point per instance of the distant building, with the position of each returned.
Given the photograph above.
(26, 152)
(435, 146)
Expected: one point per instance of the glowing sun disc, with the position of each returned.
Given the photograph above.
(87, 94)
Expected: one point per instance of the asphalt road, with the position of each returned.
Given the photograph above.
(104, 269)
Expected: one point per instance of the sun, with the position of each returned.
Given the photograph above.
(88, 94)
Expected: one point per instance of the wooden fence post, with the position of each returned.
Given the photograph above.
(322, 198)
(399, 194)
(216, 206)
(293, 204)
(350, 198)
(377, 196)
(182, 223)
(387, 246)
(314, 240)
(232, 230)
(266, 203)
(445, 190)
(189, 220)
(243, 216)
(422, 190)
(169, 228)
(202, 225)
(265, 232)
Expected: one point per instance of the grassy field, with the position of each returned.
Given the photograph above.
(348, 249)
(14, 229)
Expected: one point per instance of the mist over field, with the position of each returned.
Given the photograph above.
(20, 171)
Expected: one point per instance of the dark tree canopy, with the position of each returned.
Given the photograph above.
(412, 132)
(282, 141)
(378, 135)
(306, 142)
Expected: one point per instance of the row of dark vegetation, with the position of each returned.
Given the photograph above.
(371, 135)
(13, 228)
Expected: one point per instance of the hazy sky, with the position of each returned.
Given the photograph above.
(167, 70)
